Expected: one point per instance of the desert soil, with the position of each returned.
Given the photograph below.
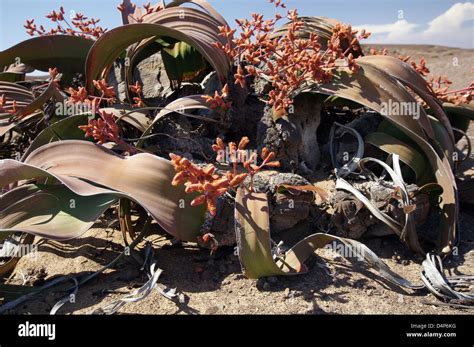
(215, 284)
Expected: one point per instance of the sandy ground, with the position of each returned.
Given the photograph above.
(214, 284)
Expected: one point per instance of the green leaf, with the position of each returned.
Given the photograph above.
(406, 75)
(53, 212)
(64, 129)
(373, 88)
(408, 155)
(135, 117)
(255, 249)
(143, 178)
(182, 62)
(12, 77)
(442, 137)
(252, 225)
(67, 53)
(111, 44)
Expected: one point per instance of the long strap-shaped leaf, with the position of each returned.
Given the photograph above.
(67, 53)
(67, 128)
(12, 292)
(15, 73)
(204, 23)
(351, 165)
(181, 105)
(130, 14)
(255, 251)
(143, 178)
(444, 287)
(137, 295)
(12, 92)
(54, 212)
(188, 20)
(136, 118)
(466, 111)
(372, 87)
(408, 154)
(202, 4)
(111, 44)
(50, 92)
(64, 129)
(259, 260)
(406, 232)
(409, 77)
(381, 216)
(26, 111)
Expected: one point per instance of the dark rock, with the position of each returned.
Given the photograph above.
(293, 138)
(367, 123)
(185, 89)
(183, 136)
(353, 220)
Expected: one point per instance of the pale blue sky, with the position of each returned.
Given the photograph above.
(403, 21)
